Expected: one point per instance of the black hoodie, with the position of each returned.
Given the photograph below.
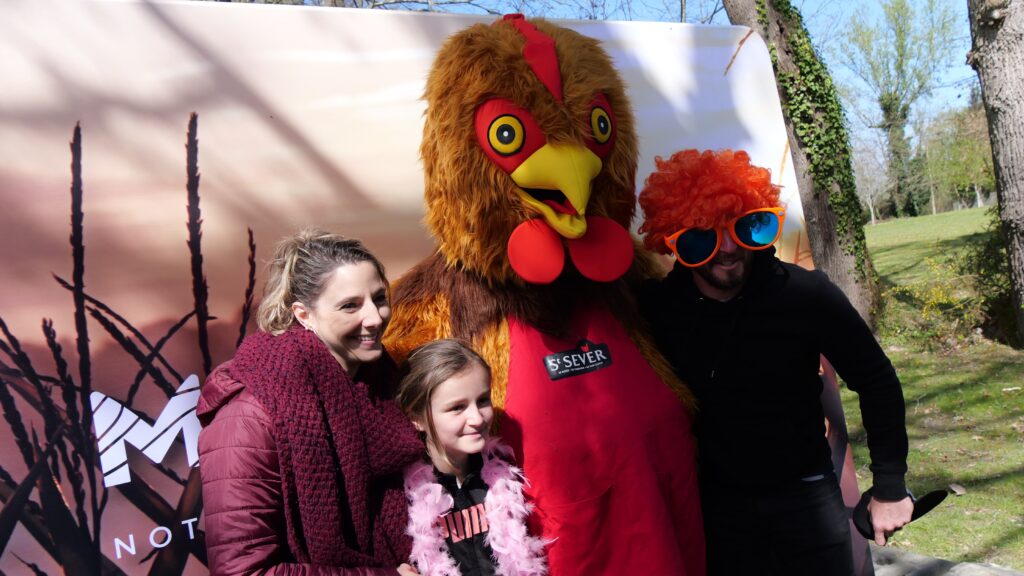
(753, 364)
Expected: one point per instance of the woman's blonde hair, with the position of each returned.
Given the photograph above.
(299, 270)
(428, 367)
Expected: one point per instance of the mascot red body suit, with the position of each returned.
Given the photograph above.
(530, 156)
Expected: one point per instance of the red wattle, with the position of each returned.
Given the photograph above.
(605, 252)
(535, 252)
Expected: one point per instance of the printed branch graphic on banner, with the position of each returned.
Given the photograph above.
(72, 537)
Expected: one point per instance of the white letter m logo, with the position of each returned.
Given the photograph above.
(115, 425)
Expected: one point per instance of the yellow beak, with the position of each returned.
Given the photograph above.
(555, 181)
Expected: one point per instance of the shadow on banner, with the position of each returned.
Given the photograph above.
(308, 119)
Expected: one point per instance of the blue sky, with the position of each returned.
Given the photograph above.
(825, 17)
(825, 20)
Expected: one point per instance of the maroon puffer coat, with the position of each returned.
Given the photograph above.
(238, 460)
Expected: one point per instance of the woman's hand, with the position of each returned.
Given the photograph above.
(407, 570)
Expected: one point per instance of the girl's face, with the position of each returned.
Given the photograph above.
(462, 413)
(350, 315)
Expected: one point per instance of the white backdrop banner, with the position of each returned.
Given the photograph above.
(305, 116)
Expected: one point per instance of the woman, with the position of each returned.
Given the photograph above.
(303, 446)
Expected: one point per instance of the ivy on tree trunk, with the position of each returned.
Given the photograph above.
(820, 148)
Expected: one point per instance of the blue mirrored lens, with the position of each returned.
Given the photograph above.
(695, 246)
(758, 229)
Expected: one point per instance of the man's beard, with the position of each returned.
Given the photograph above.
(727, 280)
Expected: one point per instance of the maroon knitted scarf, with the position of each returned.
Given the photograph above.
(341, 444)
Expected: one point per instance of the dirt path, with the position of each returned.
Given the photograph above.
(891, 561)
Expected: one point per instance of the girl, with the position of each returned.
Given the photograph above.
(303, 448)
(467, 514)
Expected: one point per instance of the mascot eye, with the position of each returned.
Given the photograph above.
(506, 135)
(600, 124)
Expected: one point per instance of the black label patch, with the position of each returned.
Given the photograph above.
(586, 357)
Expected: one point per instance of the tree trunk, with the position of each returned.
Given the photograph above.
(997, 55)
(821, 154)
(895, 116)
(931, 182)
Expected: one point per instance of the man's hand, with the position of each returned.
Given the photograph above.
(888, 517)
(407, 570)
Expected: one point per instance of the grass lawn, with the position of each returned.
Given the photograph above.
(965, 405)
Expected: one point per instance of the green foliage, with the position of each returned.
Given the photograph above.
(965, 406)
(920, 183)
(927, 300)
(946, 279)
(812, 105)
(986, 264)
(950, 168)
(955, 156)
(897, 60)
(944, 313)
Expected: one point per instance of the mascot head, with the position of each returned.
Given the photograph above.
(528, 150)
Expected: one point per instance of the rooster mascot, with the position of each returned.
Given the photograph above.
(530, 158)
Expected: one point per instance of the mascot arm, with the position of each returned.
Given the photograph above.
(493, 346)
(663, 368)
(647, 265)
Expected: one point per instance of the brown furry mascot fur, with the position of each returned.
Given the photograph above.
(502, 100)
(471, 204)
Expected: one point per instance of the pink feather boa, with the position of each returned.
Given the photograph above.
(516, 553)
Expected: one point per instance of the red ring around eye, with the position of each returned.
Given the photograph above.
(601, 123)
(507, 133)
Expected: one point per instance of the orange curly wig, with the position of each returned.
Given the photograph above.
(703, 190)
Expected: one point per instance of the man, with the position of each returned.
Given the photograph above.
(746, 332)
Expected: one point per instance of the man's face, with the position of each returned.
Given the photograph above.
(724, 276)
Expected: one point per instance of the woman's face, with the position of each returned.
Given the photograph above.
(350, 315)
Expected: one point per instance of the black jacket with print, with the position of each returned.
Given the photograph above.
(465, 527)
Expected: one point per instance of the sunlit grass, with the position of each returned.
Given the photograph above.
(899, 247)
(965, 406)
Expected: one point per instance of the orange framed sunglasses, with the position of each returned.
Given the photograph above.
(753, 230)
